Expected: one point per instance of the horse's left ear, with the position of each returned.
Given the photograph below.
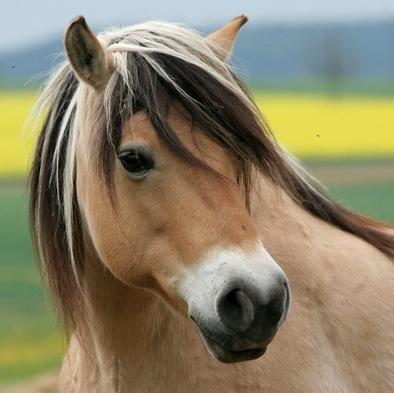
(87, 56)
(224, 38)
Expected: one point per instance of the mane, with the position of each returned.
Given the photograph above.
(156, 65)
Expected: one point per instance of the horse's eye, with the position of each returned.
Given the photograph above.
(138, 162)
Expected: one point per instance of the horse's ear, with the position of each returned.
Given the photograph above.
(87, 56)
(224, 38)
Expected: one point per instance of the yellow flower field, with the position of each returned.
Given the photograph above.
(15, 142)
(308, 126)
(325, 127)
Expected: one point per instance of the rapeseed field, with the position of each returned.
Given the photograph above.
(331, 127)
(15, 141)
(307, 125)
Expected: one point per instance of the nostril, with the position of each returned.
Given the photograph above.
(276, 305)
(236, 310)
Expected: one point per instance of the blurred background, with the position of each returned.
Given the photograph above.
(322, 73)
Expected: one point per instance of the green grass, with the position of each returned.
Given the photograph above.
(29, 339)
(354, 161)
(29, 342)
(376, 201)
(313, 86)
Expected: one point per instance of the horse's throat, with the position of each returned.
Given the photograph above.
(132, 327)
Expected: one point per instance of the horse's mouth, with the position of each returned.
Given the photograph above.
(229, 356)
(220, 348)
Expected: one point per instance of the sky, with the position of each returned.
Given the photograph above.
(25, 22)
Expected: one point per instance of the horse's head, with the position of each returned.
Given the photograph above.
(164, 140)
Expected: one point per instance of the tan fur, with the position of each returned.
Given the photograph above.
(151, 224)
(336, 339)
(137, 336)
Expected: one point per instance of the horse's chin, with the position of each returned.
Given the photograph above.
(225, 355)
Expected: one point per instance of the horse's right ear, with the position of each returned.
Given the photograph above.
(87, 56)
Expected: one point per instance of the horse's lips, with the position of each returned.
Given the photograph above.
(228, 356)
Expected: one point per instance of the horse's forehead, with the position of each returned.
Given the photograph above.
(139, 128)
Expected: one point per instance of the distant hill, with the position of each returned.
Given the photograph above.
(26, 67)
(268, 55)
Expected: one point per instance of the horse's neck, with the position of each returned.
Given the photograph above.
(308, 249)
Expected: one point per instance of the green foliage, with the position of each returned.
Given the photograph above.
(29, 340)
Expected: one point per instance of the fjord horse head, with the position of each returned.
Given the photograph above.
(147, 155)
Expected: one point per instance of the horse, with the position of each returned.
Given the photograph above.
(170, 226)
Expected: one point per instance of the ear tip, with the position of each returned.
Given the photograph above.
(241, 19)
(78, 21)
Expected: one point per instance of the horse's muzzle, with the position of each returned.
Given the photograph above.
(246, 320)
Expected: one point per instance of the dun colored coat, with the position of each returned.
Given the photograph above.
(172, 228)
